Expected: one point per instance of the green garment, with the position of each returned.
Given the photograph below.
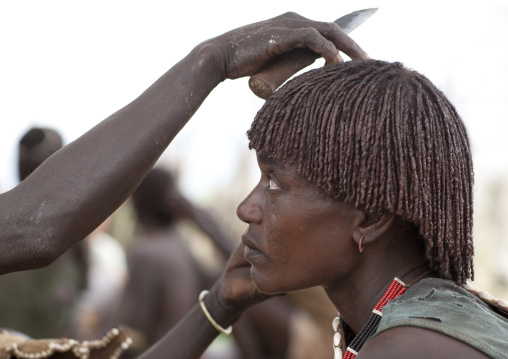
(39, 302)
(443, 306)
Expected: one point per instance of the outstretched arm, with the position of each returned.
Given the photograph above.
(83, 183)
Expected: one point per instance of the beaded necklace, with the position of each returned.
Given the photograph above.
(396, 288)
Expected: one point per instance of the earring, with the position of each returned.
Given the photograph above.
(361, 247)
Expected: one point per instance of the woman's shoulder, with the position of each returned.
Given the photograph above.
(439, 310)
(416, 343)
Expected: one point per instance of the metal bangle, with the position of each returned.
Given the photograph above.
(216, 325)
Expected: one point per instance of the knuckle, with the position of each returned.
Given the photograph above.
(311, 34)
(331, 27)
(320, 42)
(291, 15)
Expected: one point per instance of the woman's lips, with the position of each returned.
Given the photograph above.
(250, 253)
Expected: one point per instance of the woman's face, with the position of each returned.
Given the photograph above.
(297, 237)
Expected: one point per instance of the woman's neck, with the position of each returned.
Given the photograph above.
(356, 298)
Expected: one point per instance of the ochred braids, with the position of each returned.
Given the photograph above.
(385, 140)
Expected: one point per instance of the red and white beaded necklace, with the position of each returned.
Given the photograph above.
(396, 288)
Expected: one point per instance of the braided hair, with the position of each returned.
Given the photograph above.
(384, 139)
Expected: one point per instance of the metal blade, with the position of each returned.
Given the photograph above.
(352, 20)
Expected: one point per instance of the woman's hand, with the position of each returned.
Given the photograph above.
(244, 50)
(234, 291)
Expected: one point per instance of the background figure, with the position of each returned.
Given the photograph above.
(39, 303)
(164, 276)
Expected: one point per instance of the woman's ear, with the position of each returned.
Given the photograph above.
(369, 228)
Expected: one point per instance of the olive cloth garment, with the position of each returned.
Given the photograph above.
(111, 346)
(445, 307)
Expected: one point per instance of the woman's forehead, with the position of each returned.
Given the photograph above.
(266, 158)
(287, 171)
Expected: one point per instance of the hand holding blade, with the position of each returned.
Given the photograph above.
(264, 82)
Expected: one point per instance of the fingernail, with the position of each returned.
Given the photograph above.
(339, 58)
(367, 57)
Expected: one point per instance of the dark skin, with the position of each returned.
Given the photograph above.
(82, 184)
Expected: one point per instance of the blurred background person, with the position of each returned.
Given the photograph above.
(164, 276)
(39, 303)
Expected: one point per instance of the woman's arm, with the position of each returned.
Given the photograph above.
(83, 183)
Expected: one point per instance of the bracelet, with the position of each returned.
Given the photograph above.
(216, 325)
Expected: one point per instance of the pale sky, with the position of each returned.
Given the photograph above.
(70, 64)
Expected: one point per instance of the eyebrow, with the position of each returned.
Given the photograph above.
(263, 157)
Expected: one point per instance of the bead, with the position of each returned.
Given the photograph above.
(485, 296)
(396, 288)
(336, 339)
(471, 288)
(335, 324)
(125, 345)
(502, 303)
(337, 353)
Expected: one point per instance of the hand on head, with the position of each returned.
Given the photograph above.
(246, 49)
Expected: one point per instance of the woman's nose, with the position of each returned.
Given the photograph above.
(249, 210)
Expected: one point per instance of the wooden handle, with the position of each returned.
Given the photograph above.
(264, 82)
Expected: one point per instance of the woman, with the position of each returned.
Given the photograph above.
(385, 192)
(366, 176)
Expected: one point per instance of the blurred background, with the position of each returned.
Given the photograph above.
(67, 65)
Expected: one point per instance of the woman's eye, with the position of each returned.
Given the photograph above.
(272, 185)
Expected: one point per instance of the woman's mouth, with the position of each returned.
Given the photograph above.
(250, 253)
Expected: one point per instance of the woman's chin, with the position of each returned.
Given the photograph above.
(265, 284)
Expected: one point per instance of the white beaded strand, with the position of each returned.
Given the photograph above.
(499, 304)
(337, 339)
(80, 350)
